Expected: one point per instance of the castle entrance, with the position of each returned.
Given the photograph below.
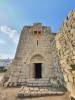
(38, 70)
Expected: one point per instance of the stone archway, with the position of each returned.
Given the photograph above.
(37, 58)
(37, 61)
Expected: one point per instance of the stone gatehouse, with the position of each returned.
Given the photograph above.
(36, 61)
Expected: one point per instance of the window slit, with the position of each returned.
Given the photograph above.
(37, 42)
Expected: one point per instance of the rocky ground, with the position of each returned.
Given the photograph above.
(11, 94)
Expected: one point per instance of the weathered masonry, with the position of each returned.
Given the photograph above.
(40, 57)
(36, 61)
(65, 43)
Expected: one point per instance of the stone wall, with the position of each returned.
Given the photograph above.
(65, 43)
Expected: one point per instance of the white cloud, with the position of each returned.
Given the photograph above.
(6, 56)
(10, 32)
(2, 42)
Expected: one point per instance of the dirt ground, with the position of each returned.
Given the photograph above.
(10, 94)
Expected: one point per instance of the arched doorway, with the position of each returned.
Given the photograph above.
(37, 61)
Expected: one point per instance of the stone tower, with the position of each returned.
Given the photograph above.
(35, 62)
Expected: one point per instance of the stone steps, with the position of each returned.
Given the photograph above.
(36, 92)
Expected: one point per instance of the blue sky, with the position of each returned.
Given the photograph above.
(14, 14)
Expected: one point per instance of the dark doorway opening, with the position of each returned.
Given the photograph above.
(38, 70)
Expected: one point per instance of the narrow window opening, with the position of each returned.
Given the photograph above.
(35, 32)
(38, 70)
(37, 42)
